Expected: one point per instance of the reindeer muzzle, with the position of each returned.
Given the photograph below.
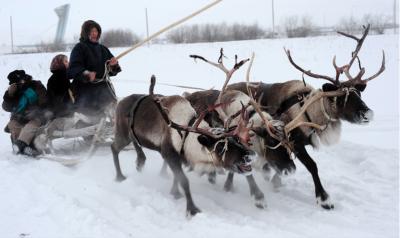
(243, 167)
(366, 117)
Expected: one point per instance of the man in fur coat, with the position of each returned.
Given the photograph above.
(88, 62)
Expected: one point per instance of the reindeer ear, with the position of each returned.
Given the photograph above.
(329, 87)
(206, 140)
(360, 87)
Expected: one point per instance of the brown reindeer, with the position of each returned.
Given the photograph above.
(299, 106)
(169, 125)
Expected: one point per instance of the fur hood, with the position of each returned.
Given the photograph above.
(85, 30)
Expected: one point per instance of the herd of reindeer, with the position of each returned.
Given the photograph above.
(211, 130)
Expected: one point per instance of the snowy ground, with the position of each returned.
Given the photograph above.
(361, 173)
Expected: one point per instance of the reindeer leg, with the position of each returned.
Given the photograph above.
(320, 193)
(115, 149)
(266, 172)
(212, 177)
(228, 186)
(163, 171)
(256, 192)
(174, 161)
(280, 161)
(141, 157)
(175, 189)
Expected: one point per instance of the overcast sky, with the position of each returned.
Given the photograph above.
(36, 21)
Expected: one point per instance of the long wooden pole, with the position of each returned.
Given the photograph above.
(12, 36)
(167, 28)
(147, 25)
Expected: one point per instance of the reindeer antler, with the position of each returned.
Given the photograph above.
(255, 104)
(308, 72)
(346, 68)
(239, 131)
(357, 79)
(222, 67)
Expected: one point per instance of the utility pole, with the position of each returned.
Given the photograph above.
(395, 16)
(12, 37)
(147, 26)
(273, 20)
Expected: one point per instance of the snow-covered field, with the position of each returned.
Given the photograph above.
(361, 173)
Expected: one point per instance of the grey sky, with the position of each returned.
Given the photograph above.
(36, 21)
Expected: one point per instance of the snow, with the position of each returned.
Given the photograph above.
(41, 198)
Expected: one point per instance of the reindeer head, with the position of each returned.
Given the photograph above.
(347, 103)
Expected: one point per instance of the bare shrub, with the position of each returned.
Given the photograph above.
(119, 38)
(349, 25)
(295, 27)
(49, 47)
(215, 32)
(378, 22)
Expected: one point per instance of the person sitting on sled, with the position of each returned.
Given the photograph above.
(26, 99)
(91, 64)
(59, 92)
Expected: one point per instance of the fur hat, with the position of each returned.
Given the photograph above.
(57, 63)
(86, 27)
(18, 75)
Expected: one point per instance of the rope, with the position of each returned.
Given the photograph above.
(106, 78)
(324, 111)
(210, 152)
(167, 28)
(167, 84)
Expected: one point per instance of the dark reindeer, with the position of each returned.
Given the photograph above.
(164, 124)
(314, 116)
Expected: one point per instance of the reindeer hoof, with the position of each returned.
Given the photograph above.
(259, 200)
(260, 203)
(192, 212)
(140, 164)
(326, 204)
(120, 178)
(228, 187)
(212, 178)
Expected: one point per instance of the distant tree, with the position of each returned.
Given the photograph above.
(119, 38)
(177, 36)
(50, 47)
(378, 22)
(295, 27)
(349, 25)
(215, 32)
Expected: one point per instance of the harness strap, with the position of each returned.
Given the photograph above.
(305, 113)
(289, 102)
(324, 111)
(131, 115)
(184, 136)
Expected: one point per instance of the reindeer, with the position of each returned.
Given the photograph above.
(263, 128)
(314, 116)
(168, 124)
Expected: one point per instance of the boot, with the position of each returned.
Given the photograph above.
(25, 149)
